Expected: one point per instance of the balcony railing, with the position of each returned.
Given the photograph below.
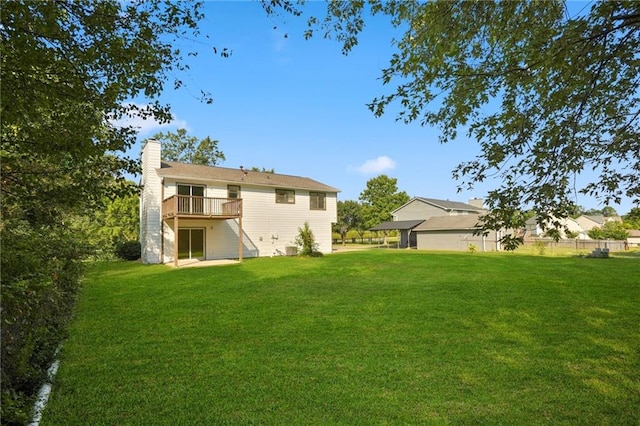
(184, 205)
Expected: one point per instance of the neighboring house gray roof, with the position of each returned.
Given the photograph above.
(400, 225)
(445, 205)
(223, 174)
(599, 219)
(450, 223)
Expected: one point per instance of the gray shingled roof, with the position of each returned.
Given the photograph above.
(596, 218)
(223, 174)
(449, 223)
(450, 205)
(397, 225)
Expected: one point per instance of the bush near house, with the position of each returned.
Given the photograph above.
(39, 287)
(129, 250)
(306, 241)
(613, 230)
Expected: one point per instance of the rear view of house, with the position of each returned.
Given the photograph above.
(201, 212)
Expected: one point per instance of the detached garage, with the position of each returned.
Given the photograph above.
(454, 233)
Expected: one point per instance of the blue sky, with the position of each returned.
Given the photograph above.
(299, 106)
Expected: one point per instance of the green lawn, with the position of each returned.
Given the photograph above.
(369, 337)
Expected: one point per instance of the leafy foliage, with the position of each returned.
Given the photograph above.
(632, 219)
(114, 224)
(129, 250)
(572, 234)
(546, 95)
(69, 70)
(380, 198)
(349, 217)
(306, 241)
(262, 170)
(610, 230)
(188, 149)
(40, 279)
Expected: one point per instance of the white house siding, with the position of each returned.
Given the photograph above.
(535, 231)
(221, 239)
(150, 204)
(272, 226)
(633, 239)
(458, 240)
(586, 223)
(268, 227)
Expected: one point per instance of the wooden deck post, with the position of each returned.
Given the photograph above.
(175, 240)
(240, 238)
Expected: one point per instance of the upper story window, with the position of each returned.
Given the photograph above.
(317, 201)
(233, 191)
(285, 196)
(191, 190)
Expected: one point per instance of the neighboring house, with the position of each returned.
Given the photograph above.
(221, 213)
(424, 208)
(455, 233)
(588, 222)
(534, 230)
(419, 212)
(633, 238)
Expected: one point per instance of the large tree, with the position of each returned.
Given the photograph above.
(183, 148)
(549, 90)
(631, 220)
(610, 230)
(380, 198)
(69, 72)
(114, 224)
(349, 217)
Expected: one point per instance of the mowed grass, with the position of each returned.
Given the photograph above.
(374, 337)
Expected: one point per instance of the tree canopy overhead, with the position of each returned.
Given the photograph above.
(69, 72)
(183, 148)
(548, 93)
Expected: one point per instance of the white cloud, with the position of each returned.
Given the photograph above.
(377, 165)
(149, 126)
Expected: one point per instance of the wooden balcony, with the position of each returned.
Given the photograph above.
(184, 206)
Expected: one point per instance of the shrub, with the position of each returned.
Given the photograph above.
(572, 234)
(41, 269)
(129, 250)
(306, 240)
(541, 247)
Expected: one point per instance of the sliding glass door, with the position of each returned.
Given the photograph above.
(191, 243)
